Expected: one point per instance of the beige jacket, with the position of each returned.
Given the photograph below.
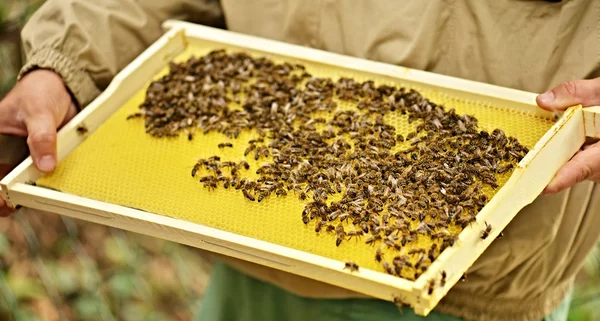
(529, 45)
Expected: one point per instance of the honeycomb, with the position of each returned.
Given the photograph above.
(121, 164)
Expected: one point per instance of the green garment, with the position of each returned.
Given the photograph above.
(234, 296)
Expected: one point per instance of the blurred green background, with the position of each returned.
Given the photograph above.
(57, 268)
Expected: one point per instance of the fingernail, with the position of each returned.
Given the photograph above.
(547, 97)
(46, 163)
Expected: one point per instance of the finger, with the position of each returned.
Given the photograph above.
(584, 165)
(570, 93)
(42, 141)
(5, 211)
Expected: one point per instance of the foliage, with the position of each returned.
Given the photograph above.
(55, 267)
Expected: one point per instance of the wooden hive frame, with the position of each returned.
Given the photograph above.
(533, 173)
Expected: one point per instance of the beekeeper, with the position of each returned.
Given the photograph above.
(75, 47)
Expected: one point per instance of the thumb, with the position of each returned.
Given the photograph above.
(570, 93)
(42, 141)
(584, 165)
(4, 210)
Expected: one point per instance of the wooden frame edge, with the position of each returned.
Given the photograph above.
(200, 236)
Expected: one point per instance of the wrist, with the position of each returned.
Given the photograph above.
(53, 85)
(78, 81)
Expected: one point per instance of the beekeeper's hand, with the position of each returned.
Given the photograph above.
(36, 107)
(585, 165)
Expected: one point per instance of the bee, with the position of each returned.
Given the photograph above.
(256, 140)
(228, 164)
(302, 196)
(417, 251)
(388, 269)
(355, 233)
(400, 138)
(211, 184)
(373, 239)
(378, 255)
(249, 149)
(390, 243)
(498, 134)
(245, 165)
(431, 287)
(305, 218)
(365, 227)
(486, 232)
(241, 183)
(386, 219)
(420, 262)
(465, 220)
(399, 302)
(375, 221)
(190, 135)
(345, 217)
(432, 250)
(443, 280)
(133, 116)
(407, 239)
(330, 228)
(319, 226)
(401, 261)
(352, 266)
(223, 145)
(338, 186)
(196, 169)
(319, 195)
(338, 241)
(262, 196)
(280, 192)
(248, 196)
(333, 215)
(82, 129)
(505, 168)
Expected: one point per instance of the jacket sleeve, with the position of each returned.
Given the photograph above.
(88, 42)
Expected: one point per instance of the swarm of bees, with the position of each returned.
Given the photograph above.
(391, 190)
